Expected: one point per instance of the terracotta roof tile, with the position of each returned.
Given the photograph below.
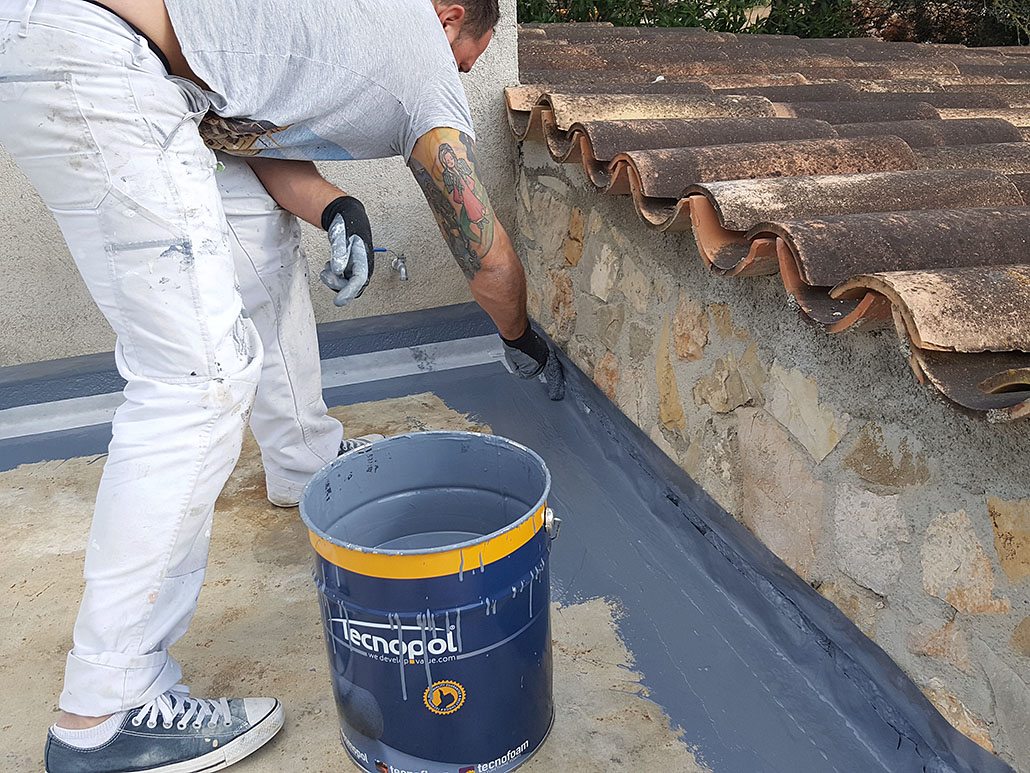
(966, 309)
(725, 214)
(883, 181)
(1004, 157)
(997, 384)
(936, 133)
(858, 111)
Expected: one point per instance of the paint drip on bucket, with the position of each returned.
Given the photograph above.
(431, 561)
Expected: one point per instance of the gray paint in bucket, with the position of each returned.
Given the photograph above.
(428, 548)
(435, 499)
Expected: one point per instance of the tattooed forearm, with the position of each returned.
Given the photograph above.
(444, 164)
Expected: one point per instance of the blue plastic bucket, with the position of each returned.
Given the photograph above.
(431, 561)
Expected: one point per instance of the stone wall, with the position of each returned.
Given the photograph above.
(46, 312)
(911, 517)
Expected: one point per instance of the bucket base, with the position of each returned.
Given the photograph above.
(377, 757)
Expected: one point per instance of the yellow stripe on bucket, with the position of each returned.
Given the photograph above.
(420, 566)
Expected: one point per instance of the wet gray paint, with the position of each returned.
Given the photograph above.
(181, 251)
(423, 491)
(762, 673)
(94, 374)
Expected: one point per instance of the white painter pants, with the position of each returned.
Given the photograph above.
(203, 281)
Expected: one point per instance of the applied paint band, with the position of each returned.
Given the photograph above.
(420, 566)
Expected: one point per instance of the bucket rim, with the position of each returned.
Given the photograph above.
(456, 434)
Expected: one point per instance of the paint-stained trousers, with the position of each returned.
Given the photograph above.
(202, 279)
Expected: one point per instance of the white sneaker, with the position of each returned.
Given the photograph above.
(288, 495)
(349, 444)
(173, 734)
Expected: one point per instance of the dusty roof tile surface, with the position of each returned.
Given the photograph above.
(882, 181)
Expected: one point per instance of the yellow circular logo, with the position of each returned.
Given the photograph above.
(444, 697)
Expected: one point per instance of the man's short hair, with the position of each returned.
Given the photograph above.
(481, 16)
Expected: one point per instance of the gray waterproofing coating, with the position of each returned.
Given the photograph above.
(762, 674)
(430, 490)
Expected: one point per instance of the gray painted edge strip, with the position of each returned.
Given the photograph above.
(78, 412)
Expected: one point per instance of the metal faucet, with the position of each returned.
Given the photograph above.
(400, 265)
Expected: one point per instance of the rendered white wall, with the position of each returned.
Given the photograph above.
(46, 313)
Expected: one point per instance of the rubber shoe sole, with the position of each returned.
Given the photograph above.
(242, 746)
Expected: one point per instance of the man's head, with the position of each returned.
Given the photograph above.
(469, 26)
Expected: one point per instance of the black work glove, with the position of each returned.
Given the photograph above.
(352, 258)
(530, 356)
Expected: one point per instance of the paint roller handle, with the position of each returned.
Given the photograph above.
(351, 255)
(530, 356)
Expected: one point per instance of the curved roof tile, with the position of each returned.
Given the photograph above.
(883, 181)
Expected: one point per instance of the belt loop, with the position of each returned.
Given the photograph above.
(139, 51)
(23, 28)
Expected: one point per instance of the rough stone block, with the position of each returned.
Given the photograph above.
(574, 240)
(582, 350)
(689, 328)
(630, 397)
(1011, 522)
(549, 216)
(603, 272)
(753, 373)
(724, 389)
(562, 306)
(641, 341)
(670, 410)
(869, 531)
(1011, 699)
(635, 285)
(956, 567)
(1020, 640)
(606, 375)
(961, 718)
(610, 318)
(527, 205)
(861, 606)
(712, 458)
(949, 644)
(891, 463)
(663, 290)
(793, 399)
(534, 302)
(659, 440)
(556, 185)
(722, 321)
(781, 501)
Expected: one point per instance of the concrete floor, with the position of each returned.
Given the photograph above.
(257, 629)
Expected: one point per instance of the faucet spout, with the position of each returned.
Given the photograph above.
(400, 265)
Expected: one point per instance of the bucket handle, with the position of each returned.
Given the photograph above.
(552, 524)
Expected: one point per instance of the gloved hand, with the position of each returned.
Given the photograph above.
(530, 356)
(351, 257)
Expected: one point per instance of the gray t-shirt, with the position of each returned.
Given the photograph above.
(321, 79)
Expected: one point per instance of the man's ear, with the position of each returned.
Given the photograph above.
(451, 17)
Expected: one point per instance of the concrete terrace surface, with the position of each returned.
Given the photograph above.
(257, 629)
(680, 643)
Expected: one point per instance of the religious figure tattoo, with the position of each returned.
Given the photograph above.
(446, 172)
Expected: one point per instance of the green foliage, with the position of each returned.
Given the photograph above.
(1014, 14)
(812, 19)
(972, 22)
(725, 15)
(823, 18)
